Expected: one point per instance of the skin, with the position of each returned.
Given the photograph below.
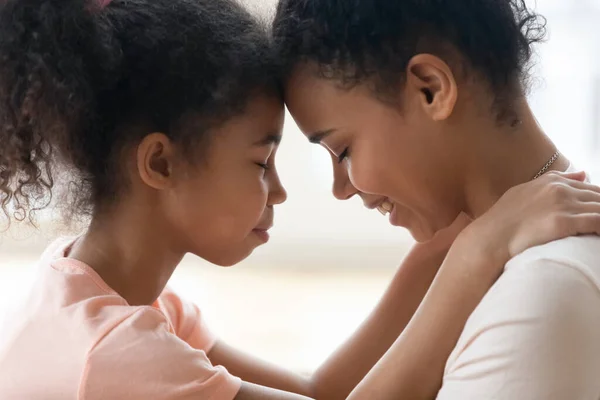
(371, 144)
(430, 159)
(348, 365)
(393, 354)
(220, 207)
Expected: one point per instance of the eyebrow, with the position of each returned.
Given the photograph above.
(316, 137)
(269, 139)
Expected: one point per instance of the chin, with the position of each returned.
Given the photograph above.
(227, 257)
(231, 259)
(420, 236)
(421, 233)
(233, 253)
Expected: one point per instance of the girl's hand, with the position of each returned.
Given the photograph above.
(550, 208)
(555, 206)
(444, 238)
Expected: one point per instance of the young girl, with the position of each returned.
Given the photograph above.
(162, 119)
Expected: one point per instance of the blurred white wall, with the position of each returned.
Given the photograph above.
(566, 94)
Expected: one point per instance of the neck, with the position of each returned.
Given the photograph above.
(127, 248)
(505, 157)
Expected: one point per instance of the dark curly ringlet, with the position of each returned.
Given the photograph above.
(356, 41)
(79, 83)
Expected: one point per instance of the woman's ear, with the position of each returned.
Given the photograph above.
(432, 80)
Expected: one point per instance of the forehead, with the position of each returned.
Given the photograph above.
(262, 117)
(319, 104)
(308, 97)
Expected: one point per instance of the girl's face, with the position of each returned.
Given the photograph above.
(401, 162)
(223, 206)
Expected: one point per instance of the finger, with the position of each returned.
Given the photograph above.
(581, 194)
(577, 175)
(566, 192)
(588, 196)
(584, 224)
(564, 225)
(582, 185)
(584, 202)
(557, 179)
(589, 207)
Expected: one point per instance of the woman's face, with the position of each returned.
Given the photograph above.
(399, 160)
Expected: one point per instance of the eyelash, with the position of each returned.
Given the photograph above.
(263, 166)
(342, 156)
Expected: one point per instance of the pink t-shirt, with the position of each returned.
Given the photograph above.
(76, 338)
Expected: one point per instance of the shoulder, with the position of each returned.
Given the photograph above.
(541, 320)
(579, 253)
(536, 333)
(547, 282)
(187, 320)
(141, 357)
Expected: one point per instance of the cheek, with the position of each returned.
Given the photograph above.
(232, 210)
(365, 176)
(220, 210)
(371, 169)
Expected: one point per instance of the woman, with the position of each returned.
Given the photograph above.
(422, 106)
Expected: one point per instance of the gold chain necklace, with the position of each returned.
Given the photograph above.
(547, 165)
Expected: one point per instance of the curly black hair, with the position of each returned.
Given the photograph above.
(79, 82)
(355, 41)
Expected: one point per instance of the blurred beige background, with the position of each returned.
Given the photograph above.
(296, 299)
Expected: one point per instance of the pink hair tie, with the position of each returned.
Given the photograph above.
(104, 3)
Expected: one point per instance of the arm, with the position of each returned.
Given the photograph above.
(250, 391)
(547, 209)
(342, 371)
(414, 365)
(526, 216)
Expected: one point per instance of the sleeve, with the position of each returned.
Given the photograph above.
(187, 321)
(535, 336)
(141, 359)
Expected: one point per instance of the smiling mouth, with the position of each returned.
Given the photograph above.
(385, 208)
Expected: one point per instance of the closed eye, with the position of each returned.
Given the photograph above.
(342, 156)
